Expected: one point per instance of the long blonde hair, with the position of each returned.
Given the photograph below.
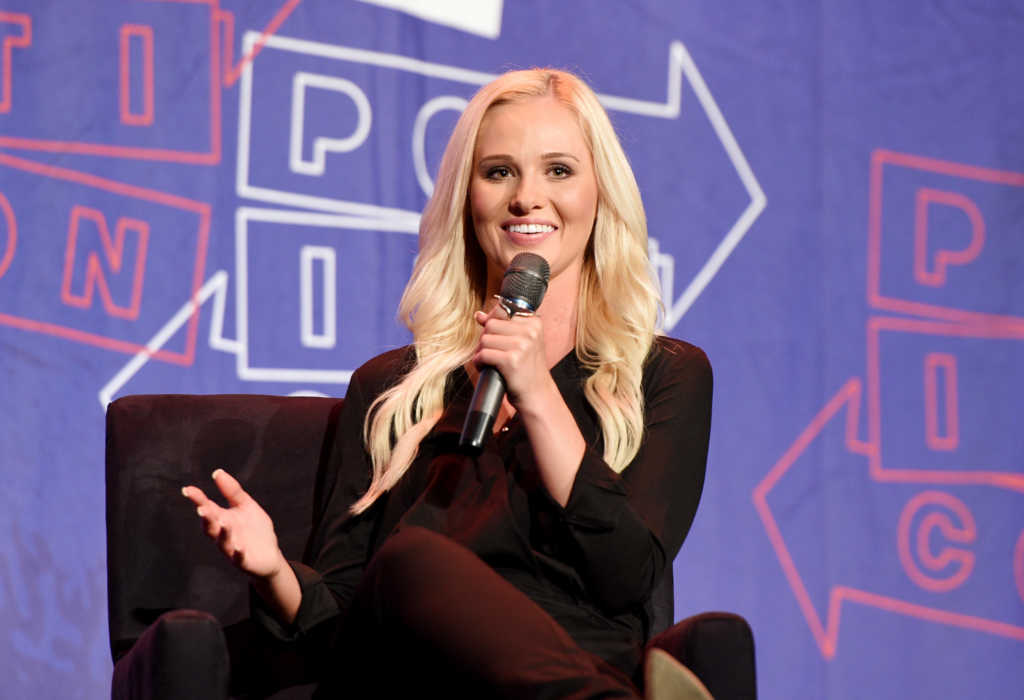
(618, 301)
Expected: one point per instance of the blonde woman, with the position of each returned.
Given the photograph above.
(525, 570)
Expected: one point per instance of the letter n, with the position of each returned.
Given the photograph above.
(103, 262)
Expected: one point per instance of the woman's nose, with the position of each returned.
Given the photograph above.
(527, 196)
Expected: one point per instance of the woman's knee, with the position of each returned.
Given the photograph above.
(414, 554)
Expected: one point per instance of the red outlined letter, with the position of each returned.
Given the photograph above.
(963, 532)
(11, 234)
(936, 277)
(145, 34)
(113, 252)
(20, 41)
(949, 439)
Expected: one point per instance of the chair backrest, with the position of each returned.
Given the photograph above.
(157, 556)
(158, 559)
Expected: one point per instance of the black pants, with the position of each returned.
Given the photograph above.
(431, 618)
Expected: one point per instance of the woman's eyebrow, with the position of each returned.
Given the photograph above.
(496, 156)
(557, 154)
(554, 155)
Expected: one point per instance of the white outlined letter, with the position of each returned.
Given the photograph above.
(322, 144)
(328, 336)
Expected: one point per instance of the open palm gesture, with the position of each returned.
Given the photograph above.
(243, 531)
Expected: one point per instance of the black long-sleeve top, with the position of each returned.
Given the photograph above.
(592, 565)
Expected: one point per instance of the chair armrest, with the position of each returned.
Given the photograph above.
(719, 648)
(181, 655)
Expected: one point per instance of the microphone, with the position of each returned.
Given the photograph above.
(522, 290)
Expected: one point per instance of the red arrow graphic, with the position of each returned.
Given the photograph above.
(825, 628)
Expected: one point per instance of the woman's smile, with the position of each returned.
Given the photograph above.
(526, 232)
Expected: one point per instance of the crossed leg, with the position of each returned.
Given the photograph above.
(430, 615)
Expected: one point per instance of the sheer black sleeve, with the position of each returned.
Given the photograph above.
(625, 528)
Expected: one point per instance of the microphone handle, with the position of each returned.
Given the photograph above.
(490, 390)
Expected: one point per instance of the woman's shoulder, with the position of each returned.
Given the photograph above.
(671, 355)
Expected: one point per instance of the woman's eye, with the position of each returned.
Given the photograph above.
(560, 171)
(498, 173)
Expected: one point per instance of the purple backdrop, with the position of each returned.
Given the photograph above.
(219, 196)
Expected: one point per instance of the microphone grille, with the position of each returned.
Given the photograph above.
(526, 280)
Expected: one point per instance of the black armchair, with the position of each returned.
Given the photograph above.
(175, 603)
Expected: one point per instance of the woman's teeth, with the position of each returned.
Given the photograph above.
(530, 228)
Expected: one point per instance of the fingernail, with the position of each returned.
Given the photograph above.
(199, 511)
(184, 491)
(215, 472)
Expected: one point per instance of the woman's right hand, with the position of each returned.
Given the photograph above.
(243, 531)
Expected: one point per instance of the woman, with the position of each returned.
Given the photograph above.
(527, 569)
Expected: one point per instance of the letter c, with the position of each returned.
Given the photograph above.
(952, 565)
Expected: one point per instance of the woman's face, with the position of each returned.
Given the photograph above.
(533, 186)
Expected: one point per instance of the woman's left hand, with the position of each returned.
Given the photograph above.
(515, 347)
